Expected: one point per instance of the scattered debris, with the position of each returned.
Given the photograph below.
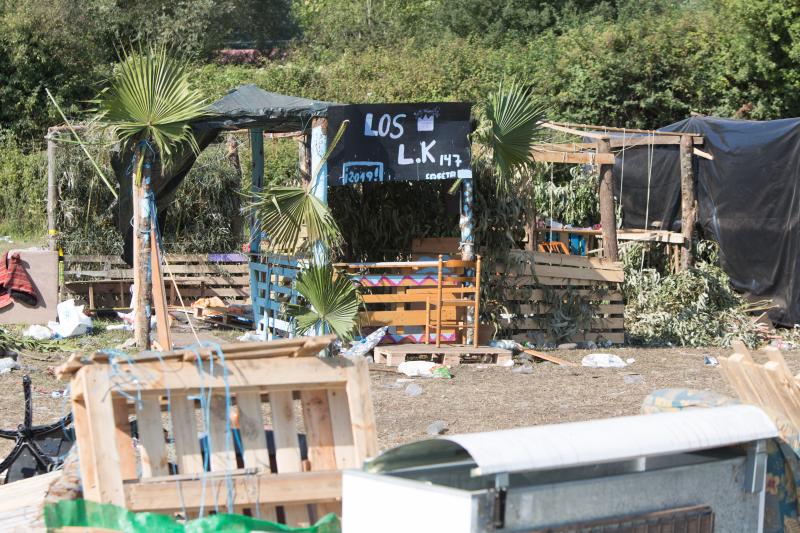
(505, 344)
(413, 390)
(38, 332)
(251, 336)
(129, 343)
(507, 364)
(437, 428)
(568, 346)
(550, 358)
(603, 360)
(424, 369)
(367, 344)
(710, 360)
(71, 320)
(630, 360)
(523, 369)
(120, 327)
(7, 364)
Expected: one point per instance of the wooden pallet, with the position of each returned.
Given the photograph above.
(771, 385)
(448, 354)
(282, 379)
(530, 274)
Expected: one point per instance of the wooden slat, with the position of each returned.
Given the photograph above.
(124, 440)
(583, 158)
(319, 436)
(362, 415)
(342, 429)
(597, 324)
(254, 441)
(548, 357)
(184, 429)
(543, 308)
(291, 490)
(151, 436)
(287, 447)
(402, 317)
(536, 295)
(223, 456)
(97, 449)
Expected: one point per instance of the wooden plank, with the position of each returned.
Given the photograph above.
(123, 438)
(342, 429)
(254, 441)
(537, 295)
(581, 158)
(290, 490)
(362, 416)
(614, 276)
(550, 358)
(184, 430)
(319, 436)
(569, 260)
(543, 308)
(287, 447)
(251, 428)
(402, 317)
(280, 372)
(159, 294)
(151, 436)
(597, 324)
(99, 459)
(223, 455)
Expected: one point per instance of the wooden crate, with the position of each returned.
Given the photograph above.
(280, 382)
(531, 275)
(102, 282)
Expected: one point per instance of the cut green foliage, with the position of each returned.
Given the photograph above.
(695, 307)
(285, 212)
(150, 98)
(512, 118)
(331, 302)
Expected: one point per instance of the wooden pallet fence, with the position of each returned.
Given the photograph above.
(280, 385)
(531, 276)
(102, 282)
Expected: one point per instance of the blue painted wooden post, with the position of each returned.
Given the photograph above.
(257, 180)
(319, 173)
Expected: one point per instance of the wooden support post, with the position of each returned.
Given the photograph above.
(688, 203)
(52, 190)
(319, 173)
(304, 158)
(256, 182)
(608, 216)
(141, 250)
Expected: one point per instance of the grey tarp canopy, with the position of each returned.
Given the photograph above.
(248, 107)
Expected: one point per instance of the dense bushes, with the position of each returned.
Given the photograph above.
(23, 190)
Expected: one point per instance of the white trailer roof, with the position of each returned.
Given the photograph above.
(590, 442)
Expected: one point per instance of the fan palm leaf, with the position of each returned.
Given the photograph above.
(332, 302)
(284, 211)
(150, 97)
(512, 118)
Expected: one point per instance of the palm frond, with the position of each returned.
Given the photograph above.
(285, 211)
(332, 302)
(512, 118)
(150, 97)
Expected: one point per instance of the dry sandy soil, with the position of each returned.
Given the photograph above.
(478, 398)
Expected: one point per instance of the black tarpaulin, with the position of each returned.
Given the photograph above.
(247, 107)
(747, 201)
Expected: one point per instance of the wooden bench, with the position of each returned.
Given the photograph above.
(178, 397)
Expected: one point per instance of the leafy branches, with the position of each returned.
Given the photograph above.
(332, 302)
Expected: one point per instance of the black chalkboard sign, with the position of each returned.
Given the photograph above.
(399, 142)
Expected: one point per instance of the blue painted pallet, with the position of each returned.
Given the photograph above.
(272, 286)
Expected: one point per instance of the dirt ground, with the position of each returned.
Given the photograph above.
(477, 398)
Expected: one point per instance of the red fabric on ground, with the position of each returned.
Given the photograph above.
(15, 283)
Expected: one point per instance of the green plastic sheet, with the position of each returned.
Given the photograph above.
(82, 513)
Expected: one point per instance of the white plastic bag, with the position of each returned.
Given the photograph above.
(71, 320)
(603, 360)
(38, 332)
(414, 369)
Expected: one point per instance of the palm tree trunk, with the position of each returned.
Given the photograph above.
(142, 287)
